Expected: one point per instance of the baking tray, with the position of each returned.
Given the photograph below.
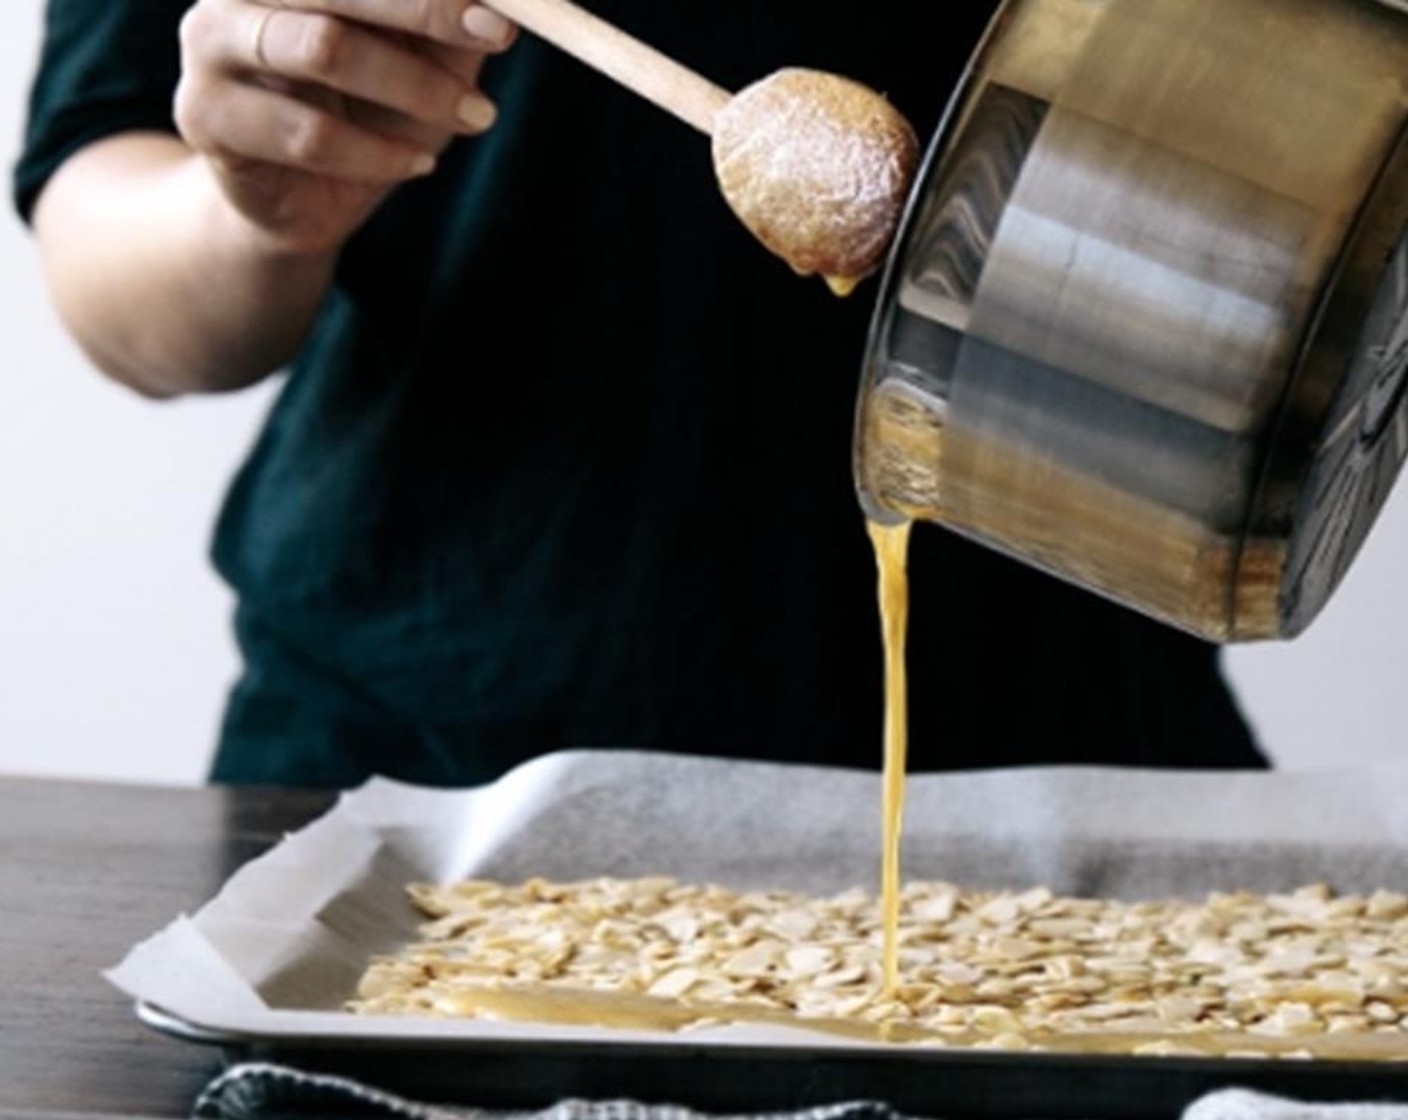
(742, 1078)
(261, 971)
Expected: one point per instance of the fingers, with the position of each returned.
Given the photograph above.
(396, 126)
(425, 79)
(465, 65)
(243, 121)
(488, 29)
(456, 23)
(311, 48)
(362, 90)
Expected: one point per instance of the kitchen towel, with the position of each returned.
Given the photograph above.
(260, 1091)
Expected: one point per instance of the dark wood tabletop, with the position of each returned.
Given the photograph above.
(85, 872)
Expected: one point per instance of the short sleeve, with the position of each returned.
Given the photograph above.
(106, 66)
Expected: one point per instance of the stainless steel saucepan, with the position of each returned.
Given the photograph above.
(1146, 323)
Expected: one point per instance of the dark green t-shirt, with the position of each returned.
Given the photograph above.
(566, 459)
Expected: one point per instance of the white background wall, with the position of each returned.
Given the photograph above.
(114, 646)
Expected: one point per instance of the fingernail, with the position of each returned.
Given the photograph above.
(422, 166)
(486, 26)
(477, 112)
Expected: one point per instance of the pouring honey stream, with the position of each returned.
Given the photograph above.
(891, 543)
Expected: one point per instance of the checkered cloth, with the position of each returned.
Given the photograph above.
(268, 1092)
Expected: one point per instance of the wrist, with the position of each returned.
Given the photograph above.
(261, 294)
(243, 242)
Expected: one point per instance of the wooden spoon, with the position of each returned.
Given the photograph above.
(815, 165)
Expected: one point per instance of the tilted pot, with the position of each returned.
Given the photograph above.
(1145, 325)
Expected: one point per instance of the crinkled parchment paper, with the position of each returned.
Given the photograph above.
(281, 947)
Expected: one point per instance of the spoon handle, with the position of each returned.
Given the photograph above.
(604, 47)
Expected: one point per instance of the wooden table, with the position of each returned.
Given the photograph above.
(86, 871)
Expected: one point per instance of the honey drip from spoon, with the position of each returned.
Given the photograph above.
(816, 166)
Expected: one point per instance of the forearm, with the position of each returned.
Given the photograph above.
(163, 283)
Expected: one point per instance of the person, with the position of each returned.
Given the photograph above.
(562, 458)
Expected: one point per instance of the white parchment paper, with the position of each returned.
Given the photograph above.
(282, 946)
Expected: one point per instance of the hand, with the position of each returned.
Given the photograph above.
(311, 111)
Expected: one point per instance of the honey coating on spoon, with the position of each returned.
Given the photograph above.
(818, 168)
